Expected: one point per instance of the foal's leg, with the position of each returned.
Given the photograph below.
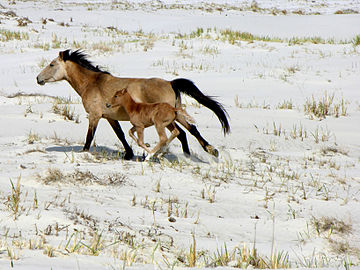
(174, 132)
(182, 138)
(140, 139)
(132, 134)
(162, 139)
(193, 130)
(120, 134)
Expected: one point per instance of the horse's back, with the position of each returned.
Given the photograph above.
(144, 90)
(153, 90)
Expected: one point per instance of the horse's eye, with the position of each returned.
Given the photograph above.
(51, 65)
(115, 96)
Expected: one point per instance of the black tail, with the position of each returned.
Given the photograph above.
(187, 87)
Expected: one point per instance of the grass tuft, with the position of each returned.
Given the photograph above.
(356, 40)
(325, 106)
(7, 35)
(13, 200)
(62, 107)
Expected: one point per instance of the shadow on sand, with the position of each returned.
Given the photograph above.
(111, 152)
(106, 151)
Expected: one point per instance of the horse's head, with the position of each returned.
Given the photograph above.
(55, 71)
(117, 99)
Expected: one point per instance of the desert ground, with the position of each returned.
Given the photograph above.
(284, 191)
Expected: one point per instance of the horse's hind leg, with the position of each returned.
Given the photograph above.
(120, 134)
(182, 138)
(193, 131)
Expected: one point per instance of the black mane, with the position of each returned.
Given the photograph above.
(79, 57)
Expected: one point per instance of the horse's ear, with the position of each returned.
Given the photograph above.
(64, 55)
(61, 55)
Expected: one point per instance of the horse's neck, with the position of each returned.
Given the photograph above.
(79, 78)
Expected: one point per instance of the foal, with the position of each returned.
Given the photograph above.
(143, 115)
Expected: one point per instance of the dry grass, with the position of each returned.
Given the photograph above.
(7, 35)
(55, 176)
(325, 106)
(62, 107)
(331, 225)
(33, 137)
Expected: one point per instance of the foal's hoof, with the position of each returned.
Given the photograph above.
(149, 157)
(129, 155)
(212, 151)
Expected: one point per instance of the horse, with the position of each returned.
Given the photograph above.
(96, 86)
(143, 115)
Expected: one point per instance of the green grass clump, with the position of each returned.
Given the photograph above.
(13, 201)
(356, 40)
(233, 36)
(7, 35)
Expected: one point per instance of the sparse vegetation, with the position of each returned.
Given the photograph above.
(33, 137)
(276, 163)
(356, 40)
(7, 35)
(62, 107)
(325, 107)
(329, 225)
(286, 105)
(13, 200)
(55, 176)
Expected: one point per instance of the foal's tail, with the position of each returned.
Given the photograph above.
(187, 87)
(187, 116)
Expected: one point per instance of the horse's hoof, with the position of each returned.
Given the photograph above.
(212, 151)
(129, 155)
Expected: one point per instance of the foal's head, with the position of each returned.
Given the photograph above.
(117, 99)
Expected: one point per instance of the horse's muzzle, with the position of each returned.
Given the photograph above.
(41, 82)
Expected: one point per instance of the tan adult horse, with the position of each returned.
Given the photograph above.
(96, 87)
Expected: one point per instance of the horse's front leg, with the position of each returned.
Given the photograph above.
(129, 154)
(93, 122)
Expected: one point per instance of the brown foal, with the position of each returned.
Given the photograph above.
(143, 115)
